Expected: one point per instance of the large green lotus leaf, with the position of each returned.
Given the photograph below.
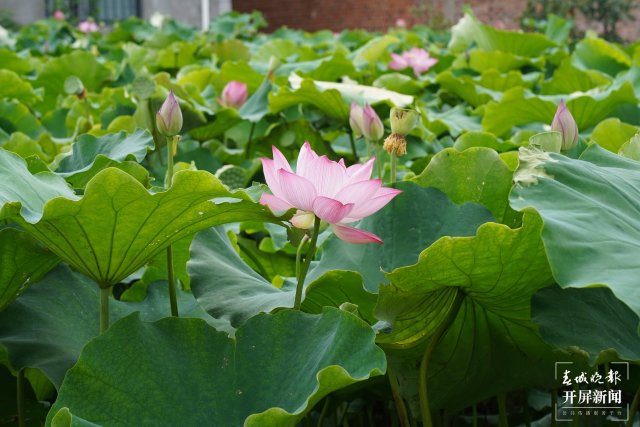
(329, 101)
(16, 117)
(519, 107)
(400, 83)
(240, 71)
(330, 68)
(482, 61)
(79, 63)
(612, 134)
(469, 29)
(593, 53)
(455, 120)
(599, 323)
(497, 81)
(373, 50)
(283, 49)
(47, 327)
(483, 139)
(224, 119)
(568, 79)
(10, 60)
(257, 106)
(590, 211)
(14, 87)
(466, 88)
(118, 226)
(475, 175)
(411, 222)
(23, 262)
(227, 288)
(358, 93)
(82, 164)
(17, 184)
(492, 336)
(274, 371)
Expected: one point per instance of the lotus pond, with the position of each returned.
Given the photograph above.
(230, 228)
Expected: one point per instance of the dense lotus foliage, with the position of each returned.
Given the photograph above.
(484, 277)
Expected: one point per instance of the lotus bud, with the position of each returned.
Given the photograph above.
(234, 94)
(303, 219)
(403, 121)
(169, 118)
(58, 15)
(373, 128)
(564, 123)
(356, 119)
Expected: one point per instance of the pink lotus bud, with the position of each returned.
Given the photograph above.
(169, 117)
(234, 94)
(59, 15)
(356, 119)
(564, 123)
(373, 128)
(401, 23)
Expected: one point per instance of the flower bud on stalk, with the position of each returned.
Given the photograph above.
(234, 94)
(564, 123)
(402, 122)
(169, 117)
(365, 122)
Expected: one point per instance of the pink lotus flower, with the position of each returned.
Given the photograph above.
(365, 122)
(416, 58)
(88, 26)
(234, 94)
(58, 15)
(329, 190)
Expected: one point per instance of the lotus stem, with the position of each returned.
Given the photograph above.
(302, 271)
(353, 147)
(425, 411)
(323, 413)
(173, 298)
(105, 292)
(22, 422)
(395, 390)
(394, 161)
(247, 153)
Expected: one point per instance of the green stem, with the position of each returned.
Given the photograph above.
(302, 273)
(20, 398)
(247, 153)
(394, 161)
(395, 390)
(173, 298)
(353, 147)
(105, 292)
(634, 408)
(503, 420)
(379, 162)
(323, 413)
(87, 112)
(425, 411)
